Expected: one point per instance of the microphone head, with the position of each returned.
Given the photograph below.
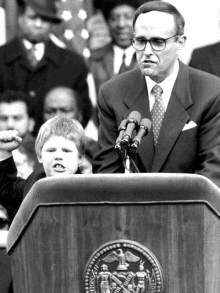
(145, 123)
(134, 117)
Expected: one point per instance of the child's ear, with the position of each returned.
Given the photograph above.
(39, 159)
(81, 158)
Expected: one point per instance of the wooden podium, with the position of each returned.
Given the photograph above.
(67, 227)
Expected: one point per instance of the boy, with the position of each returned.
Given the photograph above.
(65, 102)
(59, 146)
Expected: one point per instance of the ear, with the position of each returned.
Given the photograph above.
(31, 124)
(39, 159)
(181, 42)
(81, 159)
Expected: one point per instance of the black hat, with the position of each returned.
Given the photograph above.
(45, 8)
(107, 5)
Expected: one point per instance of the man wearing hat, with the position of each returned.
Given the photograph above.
(34, 64)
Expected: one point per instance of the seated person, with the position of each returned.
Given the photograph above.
(16, 114)
(60, 147)
(65, 102)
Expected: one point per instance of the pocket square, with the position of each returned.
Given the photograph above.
(189, 125)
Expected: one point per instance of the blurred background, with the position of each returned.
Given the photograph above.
(84, 28)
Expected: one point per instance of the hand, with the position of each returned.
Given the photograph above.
(9, 140)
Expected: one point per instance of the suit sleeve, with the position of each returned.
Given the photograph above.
(209, 144)
(11, 186)
(106, 160)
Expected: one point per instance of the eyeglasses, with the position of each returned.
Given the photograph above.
(157, 44)
(3, 223)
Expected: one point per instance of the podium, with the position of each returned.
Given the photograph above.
(67, 230)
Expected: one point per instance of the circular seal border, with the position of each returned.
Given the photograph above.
(129, 244)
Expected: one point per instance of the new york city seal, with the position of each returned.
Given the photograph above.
(123, 266)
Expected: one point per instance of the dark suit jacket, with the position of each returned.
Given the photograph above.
(101, 64)
(57, 67)
(207, 59)
(195, 97)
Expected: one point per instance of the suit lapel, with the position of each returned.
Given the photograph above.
(175, 118)
(137, 100)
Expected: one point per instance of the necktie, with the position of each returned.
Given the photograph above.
(123, 67)
(32, 56)
(157, 112)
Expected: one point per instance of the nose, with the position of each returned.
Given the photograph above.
(38, 22)
(58, 155)
(148, 49)
(10, 123)
(121, 21)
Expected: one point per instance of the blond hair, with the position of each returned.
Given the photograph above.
(70, 129)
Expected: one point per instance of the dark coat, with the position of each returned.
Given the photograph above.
(195, 100)
(207, 59)
(101, 64)
(58, 67)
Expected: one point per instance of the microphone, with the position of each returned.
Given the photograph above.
(144, 128)
(121, 129)
(132, 122)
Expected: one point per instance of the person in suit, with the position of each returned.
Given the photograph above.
(33, 63)
(184, 101)
(117, 56)
(207, 59)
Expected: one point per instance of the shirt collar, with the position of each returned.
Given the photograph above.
(40, 48)
(166, 85)
(118, 53)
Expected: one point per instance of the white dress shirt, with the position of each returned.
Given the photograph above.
(118, 54)
(39, 49)
(166, 85)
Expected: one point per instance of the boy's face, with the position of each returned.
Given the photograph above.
(14, 116)
(60, 156)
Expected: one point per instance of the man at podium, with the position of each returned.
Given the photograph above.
(182, 103)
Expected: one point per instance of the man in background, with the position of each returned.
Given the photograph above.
(16, 114)
(34, 64)
(207, 59)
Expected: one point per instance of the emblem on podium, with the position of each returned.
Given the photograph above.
(123, 266)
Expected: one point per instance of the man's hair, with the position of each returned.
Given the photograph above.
(162, 7)
(12, 96)
(107, 6)
(70, 129)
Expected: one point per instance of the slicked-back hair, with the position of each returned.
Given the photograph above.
(70, 129)
(165, 7)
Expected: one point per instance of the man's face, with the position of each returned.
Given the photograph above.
(14, 116)
(62, 103)
(33, 27)
(157, 64)
(120, 24)
(60, 156)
